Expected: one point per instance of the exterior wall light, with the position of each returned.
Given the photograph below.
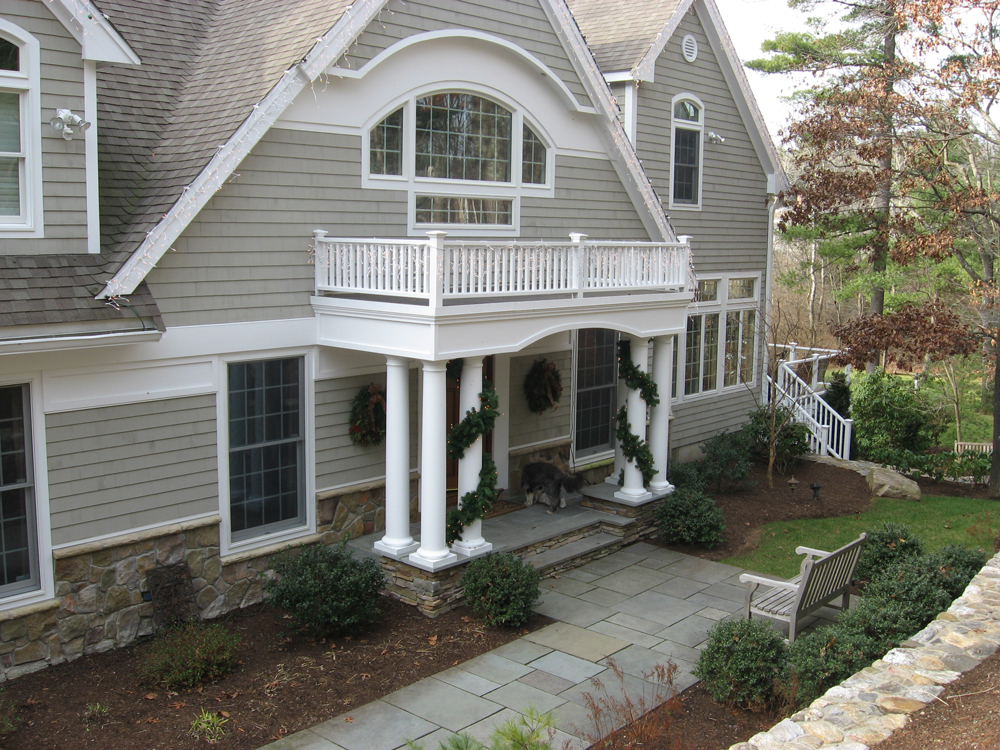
(65, 121)
(714, 137)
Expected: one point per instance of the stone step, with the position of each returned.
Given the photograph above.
(580, 547)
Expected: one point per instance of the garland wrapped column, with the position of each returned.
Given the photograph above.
(474, 505)
(635, 448)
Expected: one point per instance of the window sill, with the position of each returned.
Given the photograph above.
(269, 544)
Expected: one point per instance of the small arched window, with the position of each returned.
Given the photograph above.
(687, 128)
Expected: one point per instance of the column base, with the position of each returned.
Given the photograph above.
(395, 551)
(612, 478)
(629, 498)
(449, 559)
(661, 488)
(470, 551)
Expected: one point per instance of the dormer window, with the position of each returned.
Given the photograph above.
(686, 157)
(464, 158)
(20, 141)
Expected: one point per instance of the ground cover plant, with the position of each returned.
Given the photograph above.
(190, 654)
(938, 521)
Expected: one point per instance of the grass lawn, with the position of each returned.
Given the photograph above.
(936, 520)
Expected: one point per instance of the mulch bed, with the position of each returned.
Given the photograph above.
(286, 684)
(283, 684)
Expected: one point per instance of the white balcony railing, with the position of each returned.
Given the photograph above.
(436, 270)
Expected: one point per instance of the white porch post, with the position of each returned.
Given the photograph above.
(633, 490)
(433, 552)
(620, 396)
(397, 540)
(659, 418)
(469, 466)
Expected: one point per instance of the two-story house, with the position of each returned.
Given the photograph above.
(220, 222)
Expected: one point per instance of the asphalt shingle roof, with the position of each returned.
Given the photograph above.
(620, 32)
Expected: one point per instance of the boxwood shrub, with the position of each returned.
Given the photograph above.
(501, 589)
(689, 516)
(742, 662)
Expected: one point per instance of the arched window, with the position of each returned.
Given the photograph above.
(464, 156)
(20, 145)
(687, 126)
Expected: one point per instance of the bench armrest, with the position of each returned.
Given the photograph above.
(812, 552)
(775, 582)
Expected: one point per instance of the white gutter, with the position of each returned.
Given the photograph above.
(85, 341)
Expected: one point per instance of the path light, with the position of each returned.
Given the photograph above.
(792, 484)
(815, 487)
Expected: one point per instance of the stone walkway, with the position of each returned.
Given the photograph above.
(640, 606)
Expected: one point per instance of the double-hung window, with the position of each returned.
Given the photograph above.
(466, 160)
(20, 144)
(596, 390)
(687, 128)
(18, 551)
(266, 447)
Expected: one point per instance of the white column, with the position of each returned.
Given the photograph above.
(469, 466)
(433, 552)
(659, 417)
(397, 540)
(633, 490)
(620, 396)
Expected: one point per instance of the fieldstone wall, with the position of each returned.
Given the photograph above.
(867, 707)
(103, 598)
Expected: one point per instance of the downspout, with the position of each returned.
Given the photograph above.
(772, 206)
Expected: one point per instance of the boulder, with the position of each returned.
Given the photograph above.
(888, 483)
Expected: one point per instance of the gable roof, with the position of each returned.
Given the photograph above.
(627, 36)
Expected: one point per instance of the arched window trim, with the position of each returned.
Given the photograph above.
(438, 187)
(25, 82)
(698, 127)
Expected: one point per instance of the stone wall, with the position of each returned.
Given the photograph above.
(103, 598)
(869, 706)
(556, 452)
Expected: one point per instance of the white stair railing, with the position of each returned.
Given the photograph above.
(831, 433)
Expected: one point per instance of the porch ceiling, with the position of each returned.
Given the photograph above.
(440, 333)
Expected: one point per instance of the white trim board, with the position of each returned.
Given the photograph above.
(98, 39)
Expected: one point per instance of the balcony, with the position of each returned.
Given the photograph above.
(432, 298)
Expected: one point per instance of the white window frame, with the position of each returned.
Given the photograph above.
(228, 545)
(25, 82)
(723, 306)
(590, 455)
(408, 181)
(698, 127)
(43, 574)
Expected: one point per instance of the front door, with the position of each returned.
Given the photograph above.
(454, 417)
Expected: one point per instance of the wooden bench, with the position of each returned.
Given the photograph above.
(823, 577)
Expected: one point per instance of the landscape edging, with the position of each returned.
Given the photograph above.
(867, 707)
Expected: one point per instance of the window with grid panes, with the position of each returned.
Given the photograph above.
(687, 125)
(701, 371)
(740, 333)
(13, 153)
(596, 390)
(386, 145)
(462, 137)
(440, 209)
(266, 446)
(18, 552)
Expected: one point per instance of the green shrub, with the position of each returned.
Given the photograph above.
(688, 516)
(838, 394)
(791, 439)
(727, 462)
(189, 655)
(824, 658)
(886, 545)
(957, 566)
(741, 663)
(687, 476)
(888, 414)
(887, 622)
(501, 589)
(326, 591)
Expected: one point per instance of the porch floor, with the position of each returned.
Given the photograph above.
(639, 606)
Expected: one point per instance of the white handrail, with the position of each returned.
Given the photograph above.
(830, 431)
(436, 270)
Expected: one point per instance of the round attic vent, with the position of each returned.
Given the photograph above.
(690, 47)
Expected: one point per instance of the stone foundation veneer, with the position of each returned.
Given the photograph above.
(869, 706)
(99, 585)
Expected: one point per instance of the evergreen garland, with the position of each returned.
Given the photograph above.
(476, 422)
(634, 448)
(368, 416)
(543, 386)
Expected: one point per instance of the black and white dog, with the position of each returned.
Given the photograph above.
(544, 482)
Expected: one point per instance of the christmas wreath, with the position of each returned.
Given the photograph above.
(543, 386)
(368, 416)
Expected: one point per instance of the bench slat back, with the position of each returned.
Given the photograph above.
(829, 575)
